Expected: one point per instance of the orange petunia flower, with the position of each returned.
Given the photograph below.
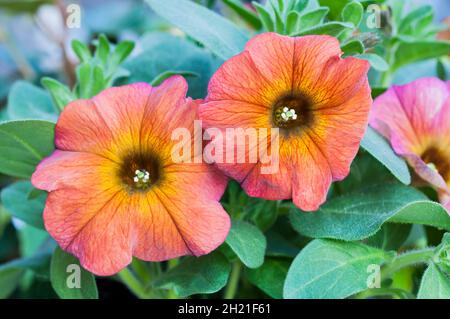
(318, 101)
(114, 190)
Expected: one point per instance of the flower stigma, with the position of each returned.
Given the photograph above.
(141, 178)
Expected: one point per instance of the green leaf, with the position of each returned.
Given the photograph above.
(331, 28)
(12, 272)
(28, 6)
(279, 25)
(312, 18)
(336, 7)
(301, 5)
(26, 101)
(98, 81)
(409, 23)
(196, 275)
(390, 236)
(23, 144)
(82, 51)
(358, 215)
(353, 47)
(248, 242)
(353, 13)
(69, 279)
(85, 78)
(167, 74)
(377, 62)
(270, 277)
(121, 52)
(379, 148)
(215, 32)
(103, 49)
(434, 284)
(411, 52)
(60, 93)
(15, 200)
(247, 15)
(331, 269)
(424, 213)
(292, 22)
(265, 17)
(377, 91)
(161, 54)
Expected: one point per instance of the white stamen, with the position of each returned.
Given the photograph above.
(288, 114)
(141, 176)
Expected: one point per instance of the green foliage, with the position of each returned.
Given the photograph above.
(161, 56)
(94, 73)
(434, 285)
(23, 145)
(352, 47)
(203, 275)
(26, 101)
(358, 215)
(11, 273)
(377, 62)
(379, 148)
(246, 14)
(331, 269)
(248, 242)
(410, 52)
(353, 13)
(69, 279)
(216, 33)
(60, 93)
(15, 199)
(270, 277)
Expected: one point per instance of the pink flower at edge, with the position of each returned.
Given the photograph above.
(416, 119)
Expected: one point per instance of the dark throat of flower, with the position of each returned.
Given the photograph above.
(438, 160)
(292, 111)
(139, 171)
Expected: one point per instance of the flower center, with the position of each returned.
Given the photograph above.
(141, 178)
(436, 160)
(292, 110)
(139, 171)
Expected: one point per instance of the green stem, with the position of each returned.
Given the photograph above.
(386, 79)
(128, 278)
(233, 283)
(407, 259)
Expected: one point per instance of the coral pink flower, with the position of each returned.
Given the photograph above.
(416, 119)
(318, 101)
(114, 191)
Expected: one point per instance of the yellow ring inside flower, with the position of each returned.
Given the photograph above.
(436, 157)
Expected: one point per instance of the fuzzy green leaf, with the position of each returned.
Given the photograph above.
(379, 148)
(248, 242)
(15, 200)
(23, 144)
(358, 215)
(434, 285)
(203, 275)
(215, 32)
(328, 269)
(69, 279)
(270, 276)
(27, 101)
